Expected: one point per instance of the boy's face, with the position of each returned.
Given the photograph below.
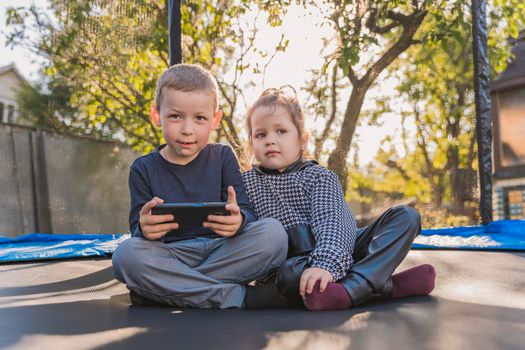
(187, 119)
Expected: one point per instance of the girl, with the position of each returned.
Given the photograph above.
(331, 264)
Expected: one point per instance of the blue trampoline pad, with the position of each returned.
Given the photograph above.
(498, 235)
(42, 246)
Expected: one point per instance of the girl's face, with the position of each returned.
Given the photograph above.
(275, 138)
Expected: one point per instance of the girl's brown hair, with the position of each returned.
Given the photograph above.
(274, 97)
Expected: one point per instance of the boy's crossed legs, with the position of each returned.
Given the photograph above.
(201, 272)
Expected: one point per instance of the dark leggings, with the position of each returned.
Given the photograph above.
(379, 249)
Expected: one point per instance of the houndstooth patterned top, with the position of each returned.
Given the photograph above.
(311, 196)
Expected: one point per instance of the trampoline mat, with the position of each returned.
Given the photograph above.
(478, 303)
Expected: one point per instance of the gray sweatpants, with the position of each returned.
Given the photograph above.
(201, 272)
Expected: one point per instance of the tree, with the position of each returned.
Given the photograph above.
(363, 30)
(437, 88)
(365, 27)
(370, 36)
(47, 105)
(80, 41)
(108, 55)
(324, 89)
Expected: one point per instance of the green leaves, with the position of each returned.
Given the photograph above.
(108, 56)
(437, 94)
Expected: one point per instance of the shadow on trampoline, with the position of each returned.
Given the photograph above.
(412, 323)
(85, 281)
(478, 303)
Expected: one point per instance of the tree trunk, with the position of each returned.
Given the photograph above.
(410, 23)
(319, 142)
(457, 182)
(337, 159)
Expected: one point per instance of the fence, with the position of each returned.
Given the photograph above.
(53, 183)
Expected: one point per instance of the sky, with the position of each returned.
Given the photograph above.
(291, 67)
(26, 62)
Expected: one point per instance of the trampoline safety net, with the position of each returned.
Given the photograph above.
(53, 183)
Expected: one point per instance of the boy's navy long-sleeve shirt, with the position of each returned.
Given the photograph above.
(205, 179)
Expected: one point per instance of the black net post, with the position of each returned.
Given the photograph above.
(174, 39)
(483, 113)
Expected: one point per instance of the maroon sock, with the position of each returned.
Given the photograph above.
(419, 280)
(334, 297)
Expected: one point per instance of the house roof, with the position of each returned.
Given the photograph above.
(514, 75)
(12, 68)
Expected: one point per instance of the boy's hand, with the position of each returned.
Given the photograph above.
(226, 225)
(155, 226)
(310, 276)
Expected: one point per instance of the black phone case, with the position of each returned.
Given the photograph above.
(190, 214)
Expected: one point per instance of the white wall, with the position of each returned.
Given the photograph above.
(10, 84)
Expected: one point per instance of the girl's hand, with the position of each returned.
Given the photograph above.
(155, 226)
(310, 276)
(226, 225)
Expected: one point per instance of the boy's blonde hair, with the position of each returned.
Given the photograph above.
(274, 97)
(187, 77)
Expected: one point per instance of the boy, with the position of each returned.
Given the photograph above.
(193, 267)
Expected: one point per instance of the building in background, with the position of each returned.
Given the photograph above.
(508, 116)
(11, 81)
